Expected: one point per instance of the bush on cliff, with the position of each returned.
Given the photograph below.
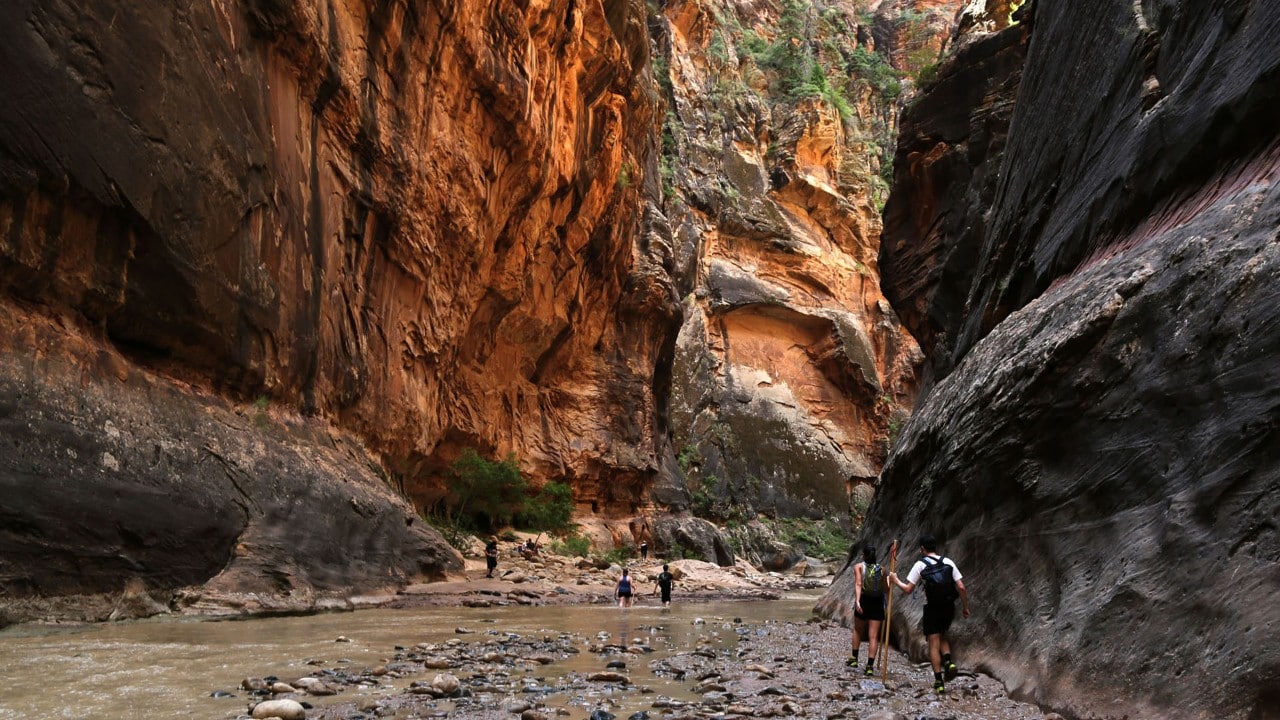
(485, 495)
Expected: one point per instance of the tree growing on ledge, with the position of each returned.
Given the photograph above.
(486, 495)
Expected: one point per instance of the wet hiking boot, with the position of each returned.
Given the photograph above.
(939, 687)
(870, 670)
(950, 669)
(852, 661)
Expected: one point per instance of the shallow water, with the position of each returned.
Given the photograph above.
(169, 668)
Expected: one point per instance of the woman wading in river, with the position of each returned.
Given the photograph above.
(623, 590)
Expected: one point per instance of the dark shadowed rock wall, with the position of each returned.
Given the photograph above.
(1100, 445)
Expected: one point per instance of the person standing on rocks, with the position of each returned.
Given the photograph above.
(665, 581)
(644, 550)
(869, 588)
(491, 556)
(943, 583)
(623, 590)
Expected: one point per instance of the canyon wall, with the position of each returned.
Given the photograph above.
(1083, 235)
(791, 373)
(255, 236)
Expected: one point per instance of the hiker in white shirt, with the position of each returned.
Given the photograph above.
(943, 584)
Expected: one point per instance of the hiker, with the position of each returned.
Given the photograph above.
(644, 550)
(623, 590)
(491, 555)
(665, 579)
(943, 583)
(869, 591)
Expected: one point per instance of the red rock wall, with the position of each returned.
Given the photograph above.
(415, 220)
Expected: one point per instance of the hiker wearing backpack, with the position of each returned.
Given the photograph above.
(943, 583)
(869, 588)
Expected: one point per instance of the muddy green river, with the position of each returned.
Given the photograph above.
(170, 668)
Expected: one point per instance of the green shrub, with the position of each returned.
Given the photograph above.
(483, 494)
(573, 544)
(620, 554)
(550, 509)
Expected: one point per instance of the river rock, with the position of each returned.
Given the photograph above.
(252, 683)
(535, 715)
(601, 715)
(445, 684)
(606, 676)
(282, 688)
(281, 709)
(438, 663)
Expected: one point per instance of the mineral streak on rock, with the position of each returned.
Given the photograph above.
(791, 373)
(1100, 445)
(415, 222)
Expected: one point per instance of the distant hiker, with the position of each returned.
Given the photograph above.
(623, 590)
(665, 579)
(870, 585)
(644, 550)
(491, 556)
(943, 583)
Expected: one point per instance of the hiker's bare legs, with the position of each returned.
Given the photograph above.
(935, 652)
(873, 637)
(859, 629)
(946, 646)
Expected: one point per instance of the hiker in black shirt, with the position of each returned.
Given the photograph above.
(665, 580)
(491, 556)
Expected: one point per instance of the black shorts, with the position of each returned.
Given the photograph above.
(666, 595)
(871, 609)
(492, 562)
(937, 618)
(624, 594)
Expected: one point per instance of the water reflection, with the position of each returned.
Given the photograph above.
(165, 668)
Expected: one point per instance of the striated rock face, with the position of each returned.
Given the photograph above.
(416, 222)
(120, 486)
(1100, 450)
(790, 372)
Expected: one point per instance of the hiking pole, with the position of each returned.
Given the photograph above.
(888, 613)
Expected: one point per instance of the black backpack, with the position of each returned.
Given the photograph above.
(939, 583)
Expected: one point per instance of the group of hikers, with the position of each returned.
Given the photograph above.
(940, 577)
(623, 591)
(943, 585)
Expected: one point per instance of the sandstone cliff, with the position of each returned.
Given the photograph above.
(407, 225)
(791, 373)
(1082, 233)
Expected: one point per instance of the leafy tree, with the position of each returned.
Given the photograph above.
(550, 509)
(484, 493)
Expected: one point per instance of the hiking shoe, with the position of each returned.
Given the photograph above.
(852, 661)
(870, 671)
(939, 687)
(950, 669)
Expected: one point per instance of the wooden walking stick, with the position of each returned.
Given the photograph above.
(888, 613)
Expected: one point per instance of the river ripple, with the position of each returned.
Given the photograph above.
(170, 667)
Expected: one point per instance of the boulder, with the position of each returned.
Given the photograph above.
(279, 709)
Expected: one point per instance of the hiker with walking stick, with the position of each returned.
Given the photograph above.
(943, 583)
